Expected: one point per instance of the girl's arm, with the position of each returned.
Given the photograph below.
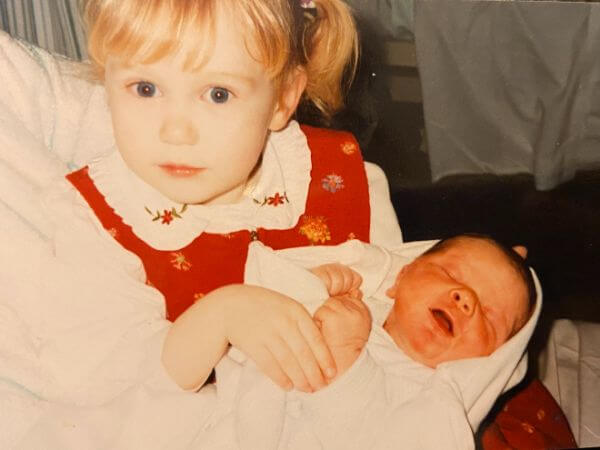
(270, 328)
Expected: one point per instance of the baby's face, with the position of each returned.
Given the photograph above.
(461, 302)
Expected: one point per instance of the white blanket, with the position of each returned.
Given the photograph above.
(570, 369)
(385, 400)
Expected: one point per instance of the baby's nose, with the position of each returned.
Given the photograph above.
(465, 300)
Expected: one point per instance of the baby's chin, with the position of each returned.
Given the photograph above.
(409, 350)
(432, 364)
(434, 361)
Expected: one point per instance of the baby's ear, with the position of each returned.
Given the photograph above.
(521, 250)
(391, 292)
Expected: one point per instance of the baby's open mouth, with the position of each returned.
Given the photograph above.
(444, 321)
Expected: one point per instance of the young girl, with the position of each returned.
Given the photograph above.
(200, 95)
(206, 160)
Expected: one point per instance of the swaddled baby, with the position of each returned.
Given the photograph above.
(462, 298)
(440, 334)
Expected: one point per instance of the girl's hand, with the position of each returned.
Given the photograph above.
(338, 278)
(280, 336)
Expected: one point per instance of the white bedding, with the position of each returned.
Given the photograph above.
(570, 369)
(397, 403)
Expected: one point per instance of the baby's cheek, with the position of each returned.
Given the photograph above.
(478, 342)
(423, 342)
(420, 339)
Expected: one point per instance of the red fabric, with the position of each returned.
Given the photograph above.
(344, 210)
(337, 209)
(530, 420)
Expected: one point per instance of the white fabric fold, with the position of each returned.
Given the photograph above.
(386, 399)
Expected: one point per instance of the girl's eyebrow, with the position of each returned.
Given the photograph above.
(149, 72)
(246, 79)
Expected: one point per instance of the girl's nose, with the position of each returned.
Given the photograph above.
(464, 300)
(178, 131)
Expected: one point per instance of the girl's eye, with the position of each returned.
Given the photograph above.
(146, 89)
(219, 95)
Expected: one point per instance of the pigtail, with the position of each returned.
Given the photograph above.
(330, 46)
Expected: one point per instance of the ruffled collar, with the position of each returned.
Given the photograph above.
(275, 202)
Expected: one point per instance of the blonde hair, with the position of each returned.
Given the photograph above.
(283, 35)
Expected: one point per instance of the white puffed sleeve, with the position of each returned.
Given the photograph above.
(385, 230)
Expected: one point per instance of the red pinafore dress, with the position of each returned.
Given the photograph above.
(337, 209)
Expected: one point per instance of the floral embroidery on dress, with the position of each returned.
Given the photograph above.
(273, 200)
(527, 427)
(315, 229)
(349, 148)
(332, 183)
(180, 262)
(198, 296)
(351, 236)
(167, 216)
(541, 414)
(113, 232)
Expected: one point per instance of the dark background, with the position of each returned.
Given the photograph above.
(560, 227)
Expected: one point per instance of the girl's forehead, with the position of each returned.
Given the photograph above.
(157, 29)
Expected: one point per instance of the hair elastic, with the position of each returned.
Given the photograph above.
(309, 10)
(308, 4)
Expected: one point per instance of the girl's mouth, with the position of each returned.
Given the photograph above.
(443, 320)
(177, 170)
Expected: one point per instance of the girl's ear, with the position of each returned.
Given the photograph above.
(291, 92)
(521, 250)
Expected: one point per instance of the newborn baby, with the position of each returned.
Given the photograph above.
(440, 334)
(462, 298)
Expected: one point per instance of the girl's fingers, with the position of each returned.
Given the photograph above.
(307, 362)
(319, 351)
(290, 362)
(267, 363)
